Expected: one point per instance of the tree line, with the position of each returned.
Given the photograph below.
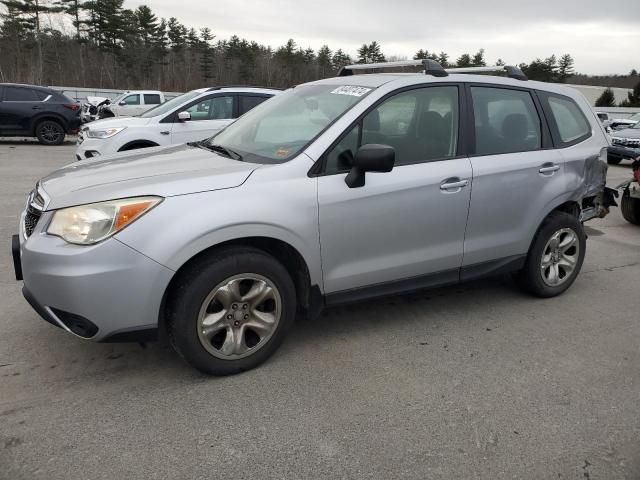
(99, 43)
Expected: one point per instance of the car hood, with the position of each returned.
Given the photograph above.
(164, 171)
(119, 122)
(627, 133)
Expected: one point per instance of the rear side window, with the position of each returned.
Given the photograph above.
(247, 103)
(151, 99)
(506, 121)
(571, 124)
(19, 94)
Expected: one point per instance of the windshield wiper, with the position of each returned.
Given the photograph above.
(227, 152)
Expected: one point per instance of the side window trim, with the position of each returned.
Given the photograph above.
(319, 168)
(553, 126)
(546, 140)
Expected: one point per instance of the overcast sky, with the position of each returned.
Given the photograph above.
(602, 36)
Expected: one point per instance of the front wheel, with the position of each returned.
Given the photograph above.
(555, 257)
(630, 208)
(230, 311)
(50, 132)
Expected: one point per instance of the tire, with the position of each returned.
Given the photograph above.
(204, 316)
(50, 132)
(613, 160)
(630, 208)
(543, 282)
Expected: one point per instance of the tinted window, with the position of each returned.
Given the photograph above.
(506, 121)
(247, 103)
(421, 125)
(216, 108)
(151, 99)
(570, 121)
(18, 94)
(132, 99)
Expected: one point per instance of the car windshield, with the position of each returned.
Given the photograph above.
(278, 129)
(635, 117)
(169, 105)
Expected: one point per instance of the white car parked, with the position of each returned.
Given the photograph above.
(191, 117)
(132, 103)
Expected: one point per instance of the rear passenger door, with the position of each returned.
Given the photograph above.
(516, 174)
(19, 105)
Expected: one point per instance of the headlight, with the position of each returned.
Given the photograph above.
(105, 133)
(89, 224)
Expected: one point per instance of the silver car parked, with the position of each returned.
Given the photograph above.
(334, 191)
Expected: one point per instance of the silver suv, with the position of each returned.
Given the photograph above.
(334, 191)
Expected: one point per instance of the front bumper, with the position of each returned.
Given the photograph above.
(93, 147)
(97, 292)
(620, 151)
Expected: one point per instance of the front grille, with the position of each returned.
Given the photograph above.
(35, 206)
(627, 142)
(30, 222)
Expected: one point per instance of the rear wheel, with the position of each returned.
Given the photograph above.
(630, 208)
(50, 132)
(556, 256)
(231, 311)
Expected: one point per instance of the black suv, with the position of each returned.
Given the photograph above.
(30, 111)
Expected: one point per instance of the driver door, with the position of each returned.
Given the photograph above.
(404, 228)
(209, 115)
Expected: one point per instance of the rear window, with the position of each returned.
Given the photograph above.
(571, 124)
(151, 99)
(20, 94)
(248, 102)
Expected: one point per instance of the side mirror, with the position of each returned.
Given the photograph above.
(184, 116)
(122, 103)
(370, 158)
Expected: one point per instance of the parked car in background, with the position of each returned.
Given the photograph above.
(90, 108)
(334, 191)
(131, 103)
(630, 204)
(190, 117)
(32, 111)
(622, 123)
(625, 144)
(603, 117)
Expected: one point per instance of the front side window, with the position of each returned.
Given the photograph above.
(506, 121)
(277, 130)
(421, 125)
(570, 121)
(18, 94)
(216, 108)
(131, 99)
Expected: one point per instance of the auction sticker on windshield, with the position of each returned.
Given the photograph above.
(351, 90)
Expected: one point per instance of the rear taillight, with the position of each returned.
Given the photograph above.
(72, 106)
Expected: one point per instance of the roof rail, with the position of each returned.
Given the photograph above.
(431, 67)
(211, 89)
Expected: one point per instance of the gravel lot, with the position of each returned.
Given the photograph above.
(469, 382)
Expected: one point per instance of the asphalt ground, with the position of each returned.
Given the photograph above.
(477, 381)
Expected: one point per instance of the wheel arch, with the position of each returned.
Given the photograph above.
(572, 207)
(48, 116)
(133, 144)
(282, 251)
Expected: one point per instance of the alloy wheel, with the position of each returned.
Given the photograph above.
(560, 257)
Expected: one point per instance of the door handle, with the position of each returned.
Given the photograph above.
(549, 169)
(453, 184)
(35, 107)
(165, 132)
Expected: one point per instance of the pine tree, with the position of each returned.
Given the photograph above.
(206, 59)
(464, 60)
(633, 97)
(340, 59)
(324, 61)
(478, 59)
(565, 68)
(607, 99)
